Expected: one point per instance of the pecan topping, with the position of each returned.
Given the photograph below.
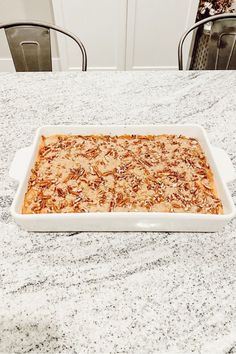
(75, 173)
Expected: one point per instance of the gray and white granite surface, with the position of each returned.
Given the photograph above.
(115, 292)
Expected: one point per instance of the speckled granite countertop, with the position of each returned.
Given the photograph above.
(115, 292)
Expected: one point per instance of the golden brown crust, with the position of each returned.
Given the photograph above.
(102, 173)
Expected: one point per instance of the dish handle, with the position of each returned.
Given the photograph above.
(20, 163)
(224, 164)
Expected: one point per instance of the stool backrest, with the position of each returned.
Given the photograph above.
(214, 48)
(30, 45)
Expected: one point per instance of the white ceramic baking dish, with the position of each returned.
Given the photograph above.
(123, 221)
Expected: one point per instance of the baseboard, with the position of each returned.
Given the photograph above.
(6, 65)
(134, 68)
(154, 68)
(94, 68)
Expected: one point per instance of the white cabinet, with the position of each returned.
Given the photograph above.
(123, 34)
(154, 28)
(101, 25)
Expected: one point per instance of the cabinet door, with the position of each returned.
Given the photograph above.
(101, 26)
(154, 28)
(123, 34)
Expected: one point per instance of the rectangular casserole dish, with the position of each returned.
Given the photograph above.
(124, 221)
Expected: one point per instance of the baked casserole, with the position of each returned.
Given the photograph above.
(126, 173)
